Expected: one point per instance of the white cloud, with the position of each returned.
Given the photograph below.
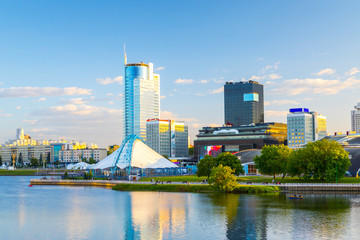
(106, 81)
(1, 83)
(42, 91)
(215, 91)
(326, 71)
(18, 107)
(352, 71)
(160, 68)
(272, 76)
(31, 122)
(184, 81)
(38, 130)
(275, 113)
(111, 102)
(42, 99)
(109, 94)
(162, 97)
(315, 86)
(5, 114)
(270, 67)
(203, 81)
(76, 101)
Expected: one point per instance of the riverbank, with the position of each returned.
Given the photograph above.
(168, 187)
(33, 172)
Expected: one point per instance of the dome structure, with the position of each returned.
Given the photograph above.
(134, 153)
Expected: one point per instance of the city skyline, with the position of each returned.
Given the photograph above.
(62, 63)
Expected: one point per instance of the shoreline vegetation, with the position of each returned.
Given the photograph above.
(195, 188)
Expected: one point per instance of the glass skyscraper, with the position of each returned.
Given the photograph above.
(244, 103)
(141, 97)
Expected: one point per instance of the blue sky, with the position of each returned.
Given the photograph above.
(61, 62)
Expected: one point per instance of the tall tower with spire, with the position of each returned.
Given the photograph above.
(141, 97)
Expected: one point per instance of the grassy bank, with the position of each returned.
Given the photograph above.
(21, 172)
(196, 188)
(255, 179)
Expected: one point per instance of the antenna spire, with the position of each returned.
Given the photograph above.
(125, 59)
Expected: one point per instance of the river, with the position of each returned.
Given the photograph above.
(61, 212)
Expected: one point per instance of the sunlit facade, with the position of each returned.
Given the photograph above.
(141, 98)
(355, 119)
(304, 127)
(167, 137)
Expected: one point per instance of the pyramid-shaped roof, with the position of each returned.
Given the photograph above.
(142, 156)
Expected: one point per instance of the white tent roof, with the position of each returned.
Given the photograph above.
(80, 165)
(142, 157)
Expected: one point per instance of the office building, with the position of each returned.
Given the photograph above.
(304, 126)
(81, 155)
(355, 118)
(167, 137)
(215, 140)
(141, 97)
(244, 103)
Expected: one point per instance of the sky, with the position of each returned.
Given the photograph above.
(62, 62)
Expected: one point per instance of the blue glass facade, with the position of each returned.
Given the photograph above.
(244, 103)
(141, 98)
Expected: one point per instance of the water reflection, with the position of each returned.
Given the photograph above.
(52, 212)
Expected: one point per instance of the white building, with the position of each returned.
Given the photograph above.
(355, 119)
(74, 156)
(304, 127)
(167, 137)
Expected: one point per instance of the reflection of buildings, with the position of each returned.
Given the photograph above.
(141, 97)
(304, 127)
(244, 103)
(167, 137)
(234, 139)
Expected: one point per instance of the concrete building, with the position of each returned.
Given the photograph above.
(355, 118)
(79, 155)
(215, 140)
(304, 126)
(141, 97)
(244, 103)
(167, 137)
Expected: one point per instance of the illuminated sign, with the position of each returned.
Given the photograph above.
(251, 97)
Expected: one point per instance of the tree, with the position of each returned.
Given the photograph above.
(20, 160)
(298, 164)
(229, 159)
(1, 163)
(205, 165)
(327, 160)
(91, 161)
(34, 162)
(223, 179)
(273, 159)
(48, 158)
(191, 151)
(166, 156)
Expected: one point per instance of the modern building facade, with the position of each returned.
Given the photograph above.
(304, 126)
(167, 137)
(141, 97)
(215, 140)
(79, 155)
(355, 118)
(244, 103)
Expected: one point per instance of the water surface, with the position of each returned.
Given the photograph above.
(62, 212)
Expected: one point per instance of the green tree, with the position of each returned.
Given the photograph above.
(1, 163)
(205, 165)
(91, 161)
(48, 158)
(66, 176)
(273, 160)
(298, 164)
(20, 160)
(327, 160)
(34, 162)
(229, 159)
(223, 179)
(166, 156)
(191, 151)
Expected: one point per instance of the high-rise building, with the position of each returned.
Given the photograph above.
(167, 137)
(141, 97)
(304, 126)
(244, 103)
(355, 119)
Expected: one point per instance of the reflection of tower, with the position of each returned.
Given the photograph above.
(141, 97)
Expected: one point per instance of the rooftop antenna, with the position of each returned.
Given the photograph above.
(125, 60)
